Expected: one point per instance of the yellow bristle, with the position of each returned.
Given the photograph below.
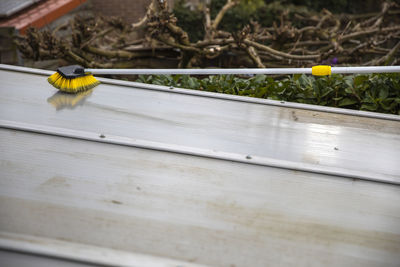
(74, 85)
(55, 79)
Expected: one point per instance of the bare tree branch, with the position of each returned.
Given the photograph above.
(229, 4)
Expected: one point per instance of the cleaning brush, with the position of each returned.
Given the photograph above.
(72, 79)
(75, 78)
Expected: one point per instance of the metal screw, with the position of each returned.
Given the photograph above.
(102, 136)
(248, 157)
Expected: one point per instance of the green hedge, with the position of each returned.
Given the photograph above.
(377, 92)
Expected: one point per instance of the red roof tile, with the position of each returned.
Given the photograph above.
(40, 14)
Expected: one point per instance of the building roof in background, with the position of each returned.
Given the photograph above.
(10, 7)
(32, 13)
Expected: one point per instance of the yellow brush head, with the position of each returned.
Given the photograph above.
(73, 85)
(72, 79)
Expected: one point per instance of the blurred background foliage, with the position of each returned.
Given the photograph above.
(375, 92)
(190, 16)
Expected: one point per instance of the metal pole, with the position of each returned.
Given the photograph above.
(246, 71)
(201, 71)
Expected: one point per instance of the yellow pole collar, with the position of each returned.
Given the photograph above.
(321, 70)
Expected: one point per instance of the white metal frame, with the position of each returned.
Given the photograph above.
(83, 253)
(200, 152)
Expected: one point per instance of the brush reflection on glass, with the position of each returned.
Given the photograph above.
(61, 100)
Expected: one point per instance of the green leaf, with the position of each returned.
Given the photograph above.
(370, 107)
(348, 80)
(296, 76)
(259, 78)
(358, 80)
(383, 93)
(327, 92)
(347, 102)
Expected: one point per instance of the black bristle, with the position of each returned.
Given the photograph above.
(72, 71)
